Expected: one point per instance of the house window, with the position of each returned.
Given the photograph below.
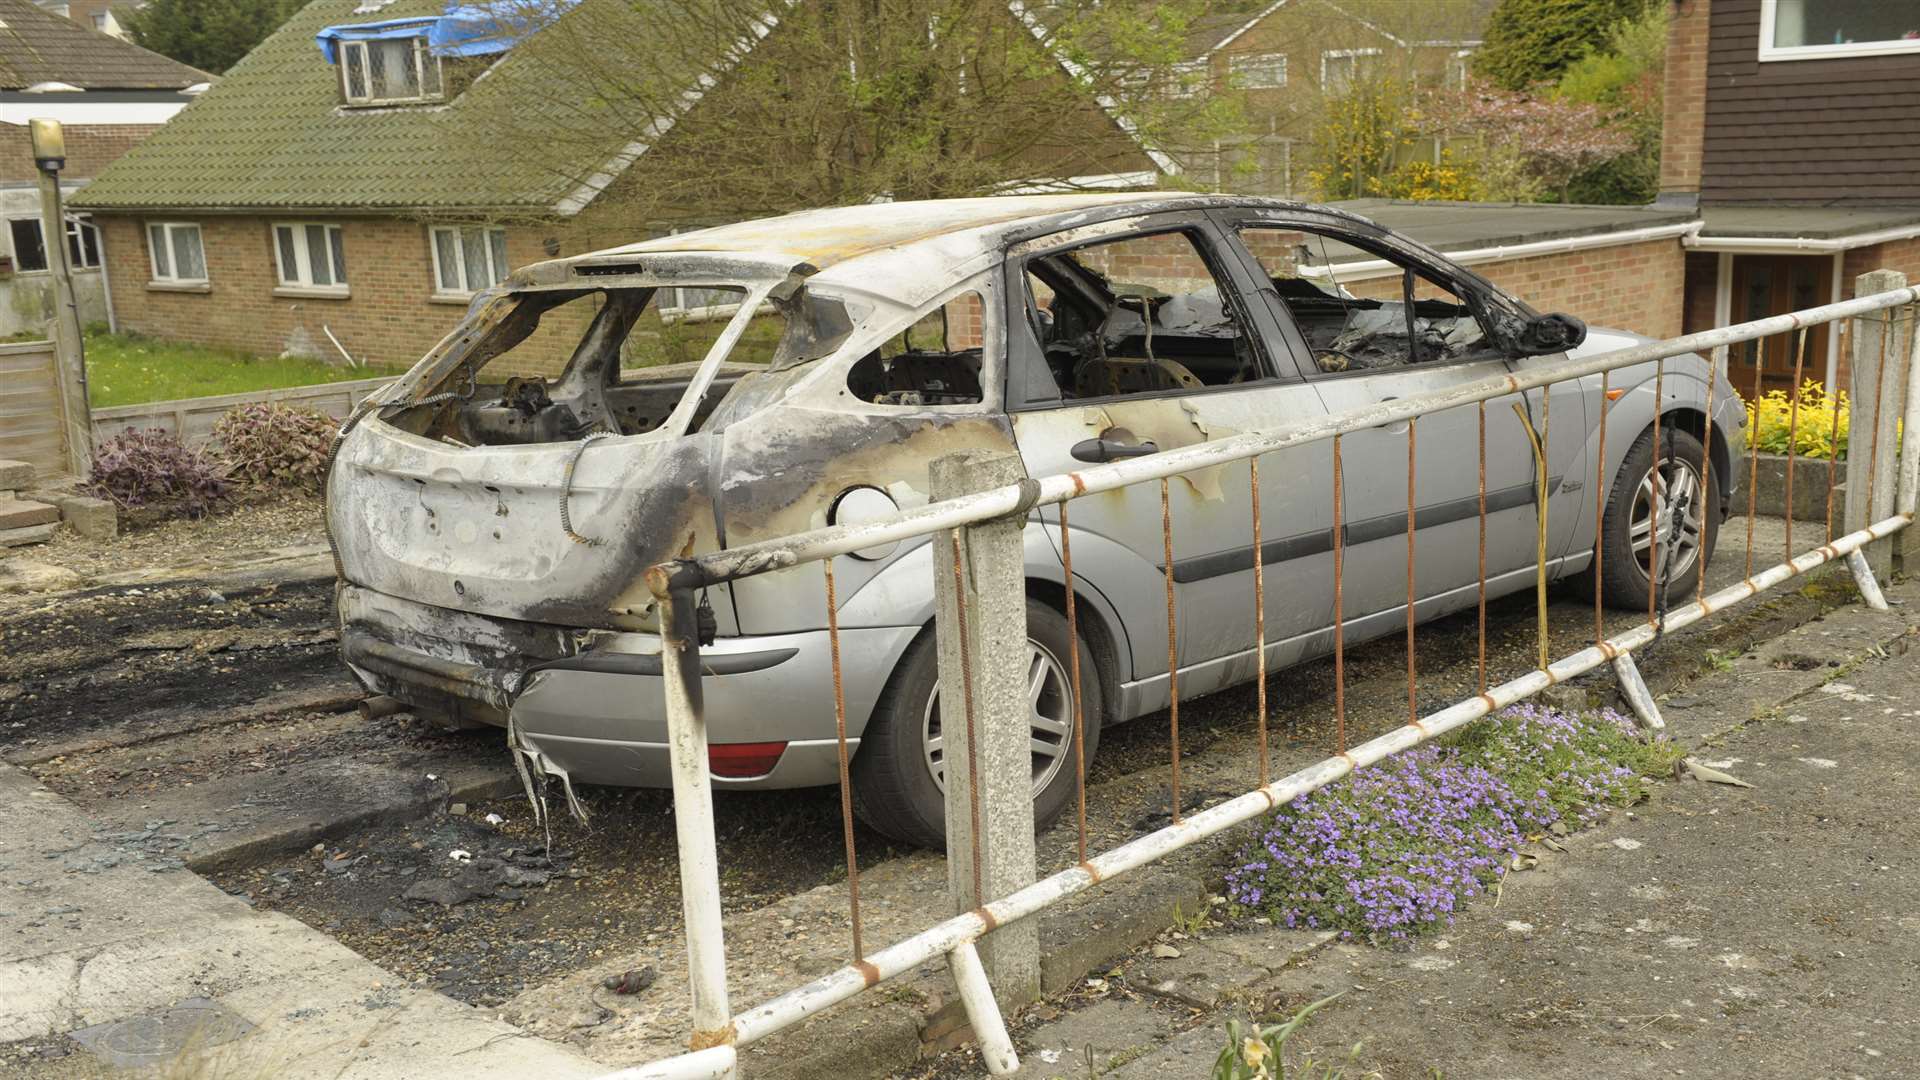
(1813, 29)
(468, 258)
(1340, 69)
(310, 256)
(83, 245)
(1189, 78)
(177, 257)
(1258, 71)
(29, 248)
(389, 71)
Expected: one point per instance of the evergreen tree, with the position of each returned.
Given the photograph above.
(211, 35)
(1535, 41)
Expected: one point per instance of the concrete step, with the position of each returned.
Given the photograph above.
(20, 513)
(31, 534)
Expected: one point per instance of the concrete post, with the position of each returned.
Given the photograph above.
(1906, 542)
(1881, 342)
(990, 644)
(69, 349)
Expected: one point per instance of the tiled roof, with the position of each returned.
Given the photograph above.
(37, 46)
(273, 134)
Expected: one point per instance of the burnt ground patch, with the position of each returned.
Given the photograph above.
(523, 913)
(132, 655)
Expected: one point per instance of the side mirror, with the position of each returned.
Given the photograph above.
(1551, 334)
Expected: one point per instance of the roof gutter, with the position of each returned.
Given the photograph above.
(1800, 245)
(1379, 268)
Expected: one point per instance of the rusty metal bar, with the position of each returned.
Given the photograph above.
(840, 734)
(1339, 605)
(1793, 428)
(1259, 615)
(1833, 453)
(1413, 430)
(1483, 547)
(1653, 489)
(966, 697)
(1173, 646)
(1541, 513)
(1753, 452)
(1073, 669)
(1600, 512)
(1706, 474)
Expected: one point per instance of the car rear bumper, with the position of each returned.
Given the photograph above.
(599, 715)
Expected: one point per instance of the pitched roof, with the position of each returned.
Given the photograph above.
(273, 134)
(37, 46)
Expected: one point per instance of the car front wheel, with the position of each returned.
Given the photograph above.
(899, 776)
(1663, 517)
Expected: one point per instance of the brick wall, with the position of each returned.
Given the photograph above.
(1683, 134)
(90, 149)
(1636, 287)
(389, 317)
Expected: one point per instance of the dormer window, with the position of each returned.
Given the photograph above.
(389, 71)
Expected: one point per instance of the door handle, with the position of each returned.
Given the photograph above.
(1391, 427)
(1100, 451)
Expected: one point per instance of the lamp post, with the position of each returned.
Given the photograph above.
(49, 157)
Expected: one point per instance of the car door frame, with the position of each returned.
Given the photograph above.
(1472, 290)
(1139, 643)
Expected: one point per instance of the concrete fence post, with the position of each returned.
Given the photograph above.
(1881, 343)
(981, 624)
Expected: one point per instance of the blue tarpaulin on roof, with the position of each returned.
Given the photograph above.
(461, 30)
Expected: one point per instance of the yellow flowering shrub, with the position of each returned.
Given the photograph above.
(1819, 432)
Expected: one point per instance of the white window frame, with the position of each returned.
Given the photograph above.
(1240, 67)
(77, 245)
(467, 288)
(172, 274)
(299, 276)
(1769, 12)
(1355, 54)
(424, 61)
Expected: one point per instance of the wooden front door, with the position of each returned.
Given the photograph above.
(1766, 285)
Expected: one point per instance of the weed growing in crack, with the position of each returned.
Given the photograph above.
(1394, 850)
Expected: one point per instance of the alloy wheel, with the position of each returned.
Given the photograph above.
(1049, 719)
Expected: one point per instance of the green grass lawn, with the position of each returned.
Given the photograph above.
(124, 369)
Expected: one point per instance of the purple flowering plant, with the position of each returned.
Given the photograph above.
(1395, 849)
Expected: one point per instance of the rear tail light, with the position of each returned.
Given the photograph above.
(744, 760)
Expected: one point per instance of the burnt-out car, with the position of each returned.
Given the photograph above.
(496, 509)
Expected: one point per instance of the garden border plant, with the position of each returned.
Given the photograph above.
(259, 447)
(1395, 850)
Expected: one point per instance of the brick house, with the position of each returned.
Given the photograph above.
(109, 95)
(348, 194)
(1788, 125)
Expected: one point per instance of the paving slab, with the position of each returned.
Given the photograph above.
(92, 935)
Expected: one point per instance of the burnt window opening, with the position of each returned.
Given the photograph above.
(1377, 323)
(1138, 315)
(565, 364)
(937, 360)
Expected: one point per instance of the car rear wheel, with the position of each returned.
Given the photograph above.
(899, 775)
(1683, 533)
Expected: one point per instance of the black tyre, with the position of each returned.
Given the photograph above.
(1627, 525)
(898, 775)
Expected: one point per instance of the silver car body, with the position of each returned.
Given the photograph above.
(461, 591)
